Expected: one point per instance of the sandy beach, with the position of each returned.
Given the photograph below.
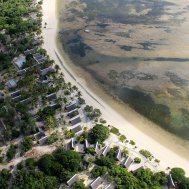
(154, 139)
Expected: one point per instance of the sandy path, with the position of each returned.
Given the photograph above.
(167, 157)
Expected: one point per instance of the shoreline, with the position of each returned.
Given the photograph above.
(121, 121)
(139, 121)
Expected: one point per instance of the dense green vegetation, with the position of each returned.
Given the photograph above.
(181, 181)
(52, 170)
(27, 144)
(98, 133)
(4, 179)
(99, 171)
(16, 33)
(11, 152)
(79, 185)
(52, 138)
(16, 38)
(5, 61)
(15, 27)
(62, 164)
(26, 179)
(90, 150)
(11, 16)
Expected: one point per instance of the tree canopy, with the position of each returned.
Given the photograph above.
(62, 164)
(98, 133)
(178, 175)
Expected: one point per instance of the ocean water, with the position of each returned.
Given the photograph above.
(138, 50)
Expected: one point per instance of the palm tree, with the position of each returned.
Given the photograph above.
(80, 139)
(79, 94)
(68, 133)
(49, 123)
(39, 32)
(62, 141)
(75, 88)
(57, 68)
(62, 75)
(65, 100)
(125, 151)
(69, 85)
(85, 129)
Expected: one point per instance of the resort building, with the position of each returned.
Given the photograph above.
(43, 140)
(97, 147)
(105, 151)
(127, 162)
(26, 100)
(118, 155)
(39, 58)
(73, 113)
(110, 186)
(55, 106)
(35, 41)
(39, 135)
(29, 51)
(19, 61)
(75, 120)
(70, 145)
(86, 144)
(46, 71)
(171, 184)
(51, 96)
(96, 183)
(72, 180)
(70, 107)
(76, 129)
(11, 83)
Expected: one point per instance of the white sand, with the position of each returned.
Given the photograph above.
(167, 157)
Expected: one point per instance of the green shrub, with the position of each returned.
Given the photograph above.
(114, 130)
(52, 138)
(11, 152)
(1, 159)
(146, 153)
(79, 185)
(132, 142)
(27, 144)
(90, 150)
(99, 171)
(122, 138)
(137, 160)
(98, 133)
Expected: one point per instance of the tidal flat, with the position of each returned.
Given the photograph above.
(138, 51)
